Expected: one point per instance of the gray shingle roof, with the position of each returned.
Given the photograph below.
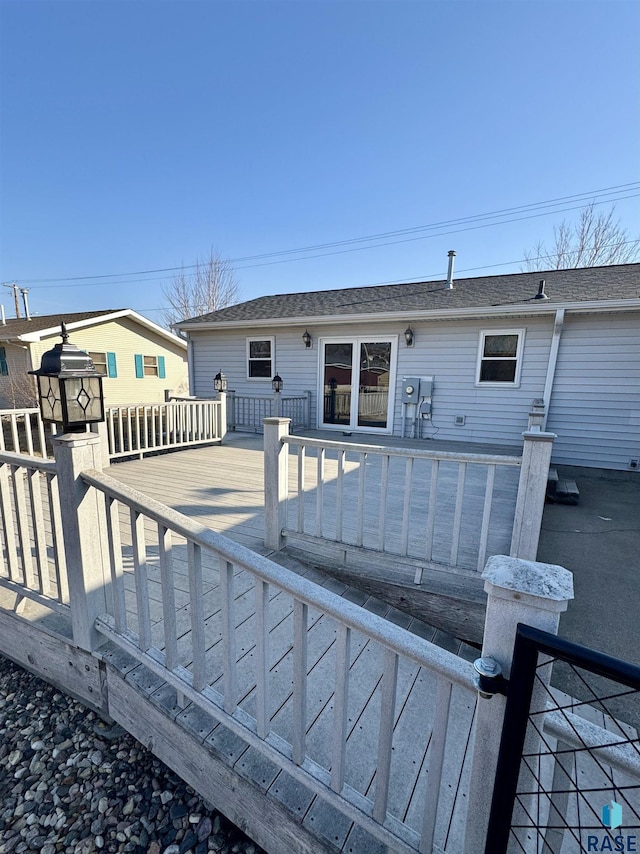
(592, 283)
(20, 326)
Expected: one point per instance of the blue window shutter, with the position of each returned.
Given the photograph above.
(139, 366)
(112, 370)
(161, 371)
(4, 370)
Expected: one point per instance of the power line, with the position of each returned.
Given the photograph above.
(500, 214)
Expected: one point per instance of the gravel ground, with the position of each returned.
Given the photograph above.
(71, 783)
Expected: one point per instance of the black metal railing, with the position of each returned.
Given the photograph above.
(568, 774)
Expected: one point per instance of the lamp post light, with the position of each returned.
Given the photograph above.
(69, 387)
(409, 336)
(220, 382)
(306, 337)
(277, 384)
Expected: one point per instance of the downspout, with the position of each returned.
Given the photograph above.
(551, 367)
(190, 369)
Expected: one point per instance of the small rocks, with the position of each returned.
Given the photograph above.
(71, 784)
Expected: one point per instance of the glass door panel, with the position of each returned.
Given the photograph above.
(338, 371)
(373, 384)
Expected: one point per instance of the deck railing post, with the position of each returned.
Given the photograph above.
(519, 591)
(532, 488)
(101, 430)
(307, 410)
(83, 520)
(276, 481)
(231, 410)
(222, 415)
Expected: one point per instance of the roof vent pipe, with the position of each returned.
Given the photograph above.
(541, 294)
(3, 319)
(24, 292)
(452, 255)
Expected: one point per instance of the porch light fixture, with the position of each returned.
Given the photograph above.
(220, 382)
(306, 338)
(409, 337)
(69, 387)
(277, 383)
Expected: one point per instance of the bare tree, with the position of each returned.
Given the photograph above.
(211, 285)
(595, 240)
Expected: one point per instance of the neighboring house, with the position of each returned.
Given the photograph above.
(138, 358)
(492, 345)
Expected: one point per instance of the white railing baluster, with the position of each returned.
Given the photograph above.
(7, 524)
(111, 432)
(431, 518)
(382, 515)
(138, 445)
(196, 606)
(362, 470)
(457, 514)
(2, 442)
(486, 517)
(339, 495)
(263, 717)
(319, 489)
(41, 436)
(28, 434)
(141, 580)
(129, 413)
(115, 562)
(340, 707)
(436, 763)
(39, 533)
(165, 550)
(14, 433)
(404, 538)
(121, 412)
(385, 734)
(301, 492)
(229, 680)
(59, 557)
(299, 733)
(24, 538)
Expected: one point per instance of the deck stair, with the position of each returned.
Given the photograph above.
(563, 491)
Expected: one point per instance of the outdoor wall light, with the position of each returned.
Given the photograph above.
(277, 383)
(409, 337)
(220, 382)
(69, 387)
(306, 338)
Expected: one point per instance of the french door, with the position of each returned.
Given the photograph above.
(357, 381)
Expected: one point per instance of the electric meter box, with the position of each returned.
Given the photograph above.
(410, 389)
(426, 386)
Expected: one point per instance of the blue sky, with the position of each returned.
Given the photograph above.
(137, 134)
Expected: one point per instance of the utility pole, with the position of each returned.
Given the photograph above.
(16, 301)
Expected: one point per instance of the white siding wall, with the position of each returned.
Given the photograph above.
(448, 351)
(595, 405)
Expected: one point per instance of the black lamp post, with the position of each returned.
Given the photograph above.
(220, 382)
(69, 387)
(277, 383)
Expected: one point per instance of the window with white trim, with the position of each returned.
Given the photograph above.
(260, 358)
(500, 357)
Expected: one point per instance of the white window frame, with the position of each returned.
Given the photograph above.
(272, 340)
(518, 358)
(357, 340)
(100, 362)
(154, 367)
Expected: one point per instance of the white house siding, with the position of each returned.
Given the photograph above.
(446, 350)
(126, 338)
(595, 404)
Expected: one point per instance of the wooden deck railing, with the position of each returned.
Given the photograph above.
(420, 505)
(226, 682)
(217, 650)
(247, 412)
(34, 565)
(23, 431)
(161, 426)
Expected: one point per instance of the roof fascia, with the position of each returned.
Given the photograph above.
(585, 306)
(30, 337)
